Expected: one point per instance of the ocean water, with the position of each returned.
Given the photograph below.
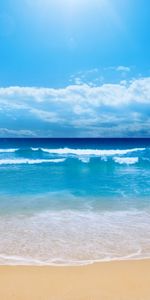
(74, 201)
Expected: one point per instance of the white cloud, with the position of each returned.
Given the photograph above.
(20, 133)
(108, 109)
(137, 90)
(123, 69)
(46, 115)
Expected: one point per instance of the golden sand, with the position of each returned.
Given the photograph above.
(125, 280)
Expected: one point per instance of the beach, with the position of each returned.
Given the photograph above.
(116, 280)
(74, 219)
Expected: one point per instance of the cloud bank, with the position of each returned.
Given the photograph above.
(109, 110)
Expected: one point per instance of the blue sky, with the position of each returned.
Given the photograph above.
(74, 68)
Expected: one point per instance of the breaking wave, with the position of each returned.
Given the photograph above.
(58, 155)
(91, 152)
(77, 152)
(8, 150)
(29, 161)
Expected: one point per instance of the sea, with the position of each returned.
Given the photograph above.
(74, 201)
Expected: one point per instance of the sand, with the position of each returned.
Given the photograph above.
(124, 280)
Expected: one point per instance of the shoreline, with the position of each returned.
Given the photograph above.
(113, 280)
(70, 264)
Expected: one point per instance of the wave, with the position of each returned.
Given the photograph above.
(126, 160)
(89, 152)
(58, 155)
(77, 152)
(83, 159)
(8, 150)
(29, 161)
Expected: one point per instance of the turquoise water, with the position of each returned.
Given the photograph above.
(74, 201)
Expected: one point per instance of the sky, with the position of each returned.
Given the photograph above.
(74, 68)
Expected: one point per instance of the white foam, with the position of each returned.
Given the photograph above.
(18, 260)
(6, 260)
(84, 159)
(29, 161)
(91, 152)
(104, 158)
(74, 237)
(126, 160)
(35, 149)
(8, 150)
